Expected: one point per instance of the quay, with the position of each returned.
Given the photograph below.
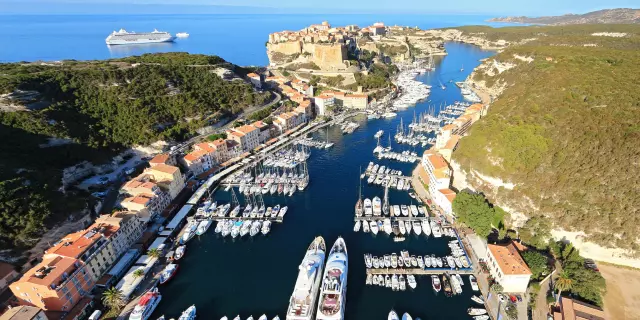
(417, 271)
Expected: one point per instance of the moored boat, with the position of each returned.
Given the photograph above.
(189, 314)
(333, 292)
(392, 315)
(474, 283)
(406, 316)
(168, 272)
(148, 302)
(476, 311)
(203, 226)
(435, 283)
(302, 303)
(179, 252)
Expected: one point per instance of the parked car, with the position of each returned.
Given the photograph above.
(104, 178)
(502, 297)
(513, 298)
(519, 297)
(129, 170)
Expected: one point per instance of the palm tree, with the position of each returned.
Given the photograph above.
(113, 298)
(154, 253)
(138, 273)
(563, 283)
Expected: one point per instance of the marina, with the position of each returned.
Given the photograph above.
(324, 208)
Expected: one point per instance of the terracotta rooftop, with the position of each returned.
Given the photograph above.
(195, 155)
(20, 313)
(448, 127)
(206, 146)
(575, 310)
(449, 194)
(357, 96)
(75, 244)
(259, 124)
(49, 271)
(165, 168)
(305, 103)
(245, 129)
(437, 161)
(142, 199)
(324, 96)
(509, 259)
(219, 142)
(253, 75)
(453, 142)
(161, 158)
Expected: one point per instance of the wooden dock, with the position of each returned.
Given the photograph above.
(418, 271)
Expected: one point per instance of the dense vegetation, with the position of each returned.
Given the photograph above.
(587, 284)
(565, 131)
(100, 107)
(477, 213)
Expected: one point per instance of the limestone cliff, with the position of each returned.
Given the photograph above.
(560, 127)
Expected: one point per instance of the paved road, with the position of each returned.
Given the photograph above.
(187, 144)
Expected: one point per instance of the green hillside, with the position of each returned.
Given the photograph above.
(566, 129)
(103, 107)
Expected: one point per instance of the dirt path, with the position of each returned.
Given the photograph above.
(622, 301)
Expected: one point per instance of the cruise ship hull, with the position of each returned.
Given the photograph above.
(145, 41)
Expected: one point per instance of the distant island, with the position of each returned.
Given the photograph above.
(613, 16)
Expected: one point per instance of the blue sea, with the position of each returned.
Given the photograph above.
(237, 38)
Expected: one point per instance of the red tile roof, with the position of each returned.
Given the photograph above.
(509, 259)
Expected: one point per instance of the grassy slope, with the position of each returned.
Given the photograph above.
(567, 131)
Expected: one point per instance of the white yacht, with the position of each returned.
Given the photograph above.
(124, 37)
(368, 209)
(302, 304)
(189, 314)
(333, 292)
(146, 305)
(377, 206)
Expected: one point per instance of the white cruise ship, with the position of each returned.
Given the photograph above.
(302, 303)
(125, 37)
(146, 305)
(333, 293)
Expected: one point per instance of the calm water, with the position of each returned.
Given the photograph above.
(237, 38)
(256, 276)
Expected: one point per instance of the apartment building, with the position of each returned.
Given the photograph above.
(570, 309)
(508, 268)
(255, 79)
(247, 136)
(130, 228)
(197, 161)
(265, 131)
(322, 102)
(24, 313)
(447, 150)
(163, 158)
(91, 246)
(167, 177)
(435, 172)
(289, 120)
(355, 101)
(57, 283)
(144, 193)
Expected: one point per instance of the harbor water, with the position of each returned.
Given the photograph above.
(252, 276)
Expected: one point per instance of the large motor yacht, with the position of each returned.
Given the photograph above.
(333, 293)
(302, 304)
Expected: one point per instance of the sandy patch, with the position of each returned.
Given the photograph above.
(594, 251)
(622, 300)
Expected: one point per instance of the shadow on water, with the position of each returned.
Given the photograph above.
(256, 276)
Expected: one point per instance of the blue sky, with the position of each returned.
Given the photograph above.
(490, 7)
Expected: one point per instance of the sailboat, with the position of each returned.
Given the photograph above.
(462, 68)
(359, 204)
(328, 144)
